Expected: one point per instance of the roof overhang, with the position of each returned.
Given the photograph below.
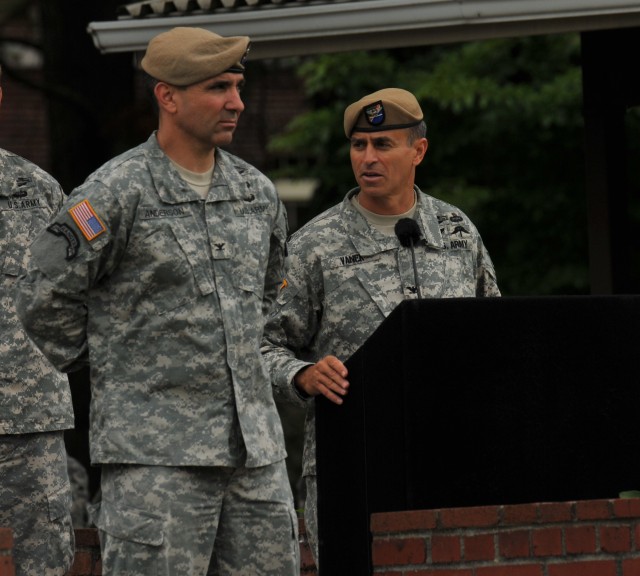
(287, 30)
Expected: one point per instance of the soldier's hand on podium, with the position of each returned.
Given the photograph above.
(326, 377)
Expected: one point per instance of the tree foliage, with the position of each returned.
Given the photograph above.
(505, 133)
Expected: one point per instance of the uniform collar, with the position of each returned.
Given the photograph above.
(369, 241)
(173, 189)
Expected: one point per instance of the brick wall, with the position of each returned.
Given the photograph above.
(87, 558)
(6, 545)
(584, 538)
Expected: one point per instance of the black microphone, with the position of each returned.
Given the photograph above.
(408, 232)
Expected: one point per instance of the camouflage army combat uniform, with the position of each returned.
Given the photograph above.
(164, 293)
(35, 399)
(344, 278)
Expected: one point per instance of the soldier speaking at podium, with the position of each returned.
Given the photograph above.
(349, 267)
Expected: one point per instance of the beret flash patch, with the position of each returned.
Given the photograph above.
(374, 113)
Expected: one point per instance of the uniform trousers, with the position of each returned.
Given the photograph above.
(197, 521)
(35, 502)
(311, 515)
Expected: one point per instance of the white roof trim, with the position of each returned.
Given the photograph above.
(287, 30)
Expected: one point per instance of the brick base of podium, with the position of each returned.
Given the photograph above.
(586, 538)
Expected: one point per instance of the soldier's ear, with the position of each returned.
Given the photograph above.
(420, 146)
(165, 96)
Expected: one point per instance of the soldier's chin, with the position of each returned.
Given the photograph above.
(223, 138)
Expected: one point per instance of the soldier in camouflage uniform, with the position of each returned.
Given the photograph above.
(347, 270)
(159, 272)
(35, 399)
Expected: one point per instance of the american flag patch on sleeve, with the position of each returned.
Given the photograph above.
(87, 220)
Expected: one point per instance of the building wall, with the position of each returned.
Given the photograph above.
(23, 113)
(273, 96)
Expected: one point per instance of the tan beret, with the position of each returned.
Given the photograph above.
(387, 109)
(184, 56)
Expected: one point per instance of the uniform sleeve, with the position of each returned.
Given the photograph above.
(275, 268)
(487, 283)
(290, 330)
(77, 250)
(55, 197)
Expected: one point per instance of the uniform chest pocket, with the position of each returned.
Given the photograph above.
(347, 283)
(355, 282)
(157, 275)
(248, 253)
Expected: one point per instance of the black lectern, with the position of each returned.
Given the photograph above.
(465, 402)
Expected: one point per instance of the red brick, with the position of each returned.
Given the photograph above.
(547, 542)
(520, 514)
(82, 563)
(6, 566)
(511, 570)
(6, 539)
(615, 539)
(307, 563)
(555, 511)
(589, 568)
(593, 510)
(626, 508)
(580, 539)
(479, 547)
(398, 551)
(87, 537)
(480, 516)
(306, 558)
(438, 572)
(445, 549)
(403, 521)
(631, 567)
(514, 544)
